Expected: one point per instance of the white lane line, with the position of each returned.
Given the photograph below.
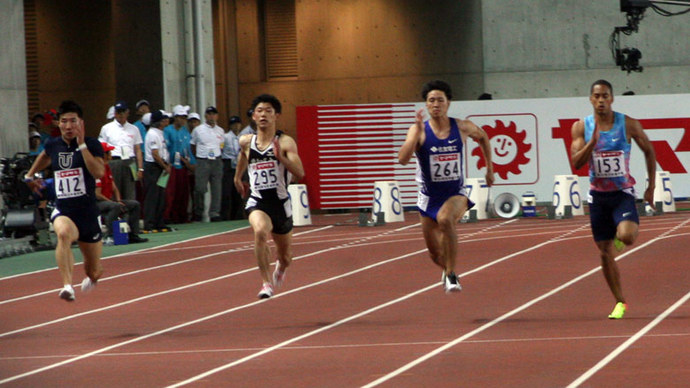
(127, 253)
(360, 314)
(346, 346)
(625, 345)
(221, 313)
(311, 231)
(138, 271)
(246, 247)
(509, 314)
(199, 283)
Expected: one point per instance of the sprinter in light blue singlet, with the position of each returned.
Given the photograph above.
(609, 166)
(603, 140)
(438, 144)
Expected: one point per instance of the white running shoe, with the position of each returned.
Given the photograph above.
(278, 275)
(451, 283)
(67, 293)
(87, 285)
(266, 291)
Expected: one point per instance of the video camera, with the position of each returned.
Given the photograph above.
(20, 214)
(15, 193)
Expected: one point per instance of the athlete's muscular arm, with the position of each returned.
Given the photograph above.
(242, 162)
(415, 138)
(468, 128)
(95, 165)
(285, 150)
(636, 132)
(581, 152)
(41, 163)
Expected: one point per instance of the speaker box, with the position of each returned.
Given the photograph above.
(506, 205)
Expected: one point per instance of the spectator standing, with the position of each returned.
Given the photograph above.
(156, 163)
(177, 139)
(143, 125)
(111, 205)
(38, 120)
(35, 146)
(143, 107)
(127, 164)
(231, 203)
(207, 144)
(110, 115)
(193, 121)
(250, 129)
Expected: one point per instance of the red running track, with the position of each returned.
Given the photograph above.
(364, 307)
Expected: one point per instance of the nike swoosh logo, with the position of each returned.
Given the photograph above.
(625, 215)
(452, 141)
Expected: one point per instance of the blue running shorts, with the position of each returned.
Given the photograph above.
(86, 220)
(607, 210)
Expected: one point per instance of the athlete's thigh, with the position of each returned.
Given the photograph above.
(260, 221)
(64, 226)
(453, 208)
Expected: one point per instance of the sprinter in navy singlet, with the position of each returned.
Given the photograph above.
(76, 162)
(438, 145)
(603, 140)
(272, 159)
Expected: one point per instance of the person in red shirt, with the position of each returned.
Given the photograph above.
(111, 204)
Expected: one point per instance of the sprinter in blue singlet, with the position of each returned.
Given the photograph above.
(603, 141)
(77, 161)
(438, 145)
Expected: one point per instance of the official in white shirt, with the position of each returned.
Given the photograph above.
(127, 163)
(157, 162)
(231, 203)
(207, 144)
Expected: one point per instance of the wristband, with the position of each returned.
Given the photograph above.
(82, 147)
(28, 178)
(141, 169)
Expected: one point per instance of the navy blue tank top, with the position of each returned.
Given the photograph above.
(440, 163)
(74, 184)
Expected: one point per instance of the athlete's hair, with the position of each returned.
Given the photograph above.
(69, 106)
(601, 82)
(437, 85)
(267, 98)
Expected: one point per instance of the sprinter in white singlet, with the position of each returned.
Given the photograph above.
(272, 159)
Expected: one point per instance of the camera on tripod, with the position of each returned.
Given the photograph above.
(21, 216)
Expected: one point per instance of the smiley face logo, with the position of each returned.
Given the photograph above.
(504, 149)
(508, 149)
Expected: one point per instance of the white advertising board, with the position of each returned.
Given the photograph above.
(531, 140)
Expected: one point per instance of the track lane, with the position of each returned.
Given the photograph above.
(492, 368)
(203, 333)
(320, 273)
